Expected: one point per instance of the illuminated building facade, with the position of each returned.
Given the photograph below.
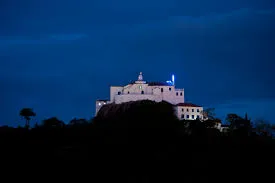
(154, 91)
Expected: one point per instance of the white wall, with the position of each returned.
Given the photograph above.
(134, 92)
(171, 95)
(114, 91)
(135, 97)
(136, 89)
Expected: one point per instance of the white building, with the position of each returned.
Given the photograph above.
(188, 111)
(154, 91)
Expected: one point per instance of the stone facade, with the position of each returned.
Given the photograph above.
(155, 91)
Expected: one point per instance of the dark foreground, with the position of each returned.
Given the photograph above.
(137, 142)
(111, 157)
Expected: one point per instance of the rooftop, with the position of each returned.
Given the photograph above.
(159, 84)
(188, 105)
(102, 100)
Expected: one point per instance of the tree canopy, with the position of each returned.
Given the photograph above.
(27, 113)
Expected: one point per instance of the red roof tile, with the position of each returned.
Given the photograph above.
(187, 105)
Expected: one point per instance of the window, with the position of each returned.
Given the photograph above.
(193, 116)
(177, 93)
(198, 116)
(169, 89)
(180, 93)
(128, 92)
(198, 110)
(182, 110)
(161, 89)
(142, 92)
(187, 116)
(182, 116)
(119, 93)
(192, 110)
(187, 110)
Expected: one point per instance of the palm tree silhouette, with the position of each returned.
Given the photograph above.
(27, 113)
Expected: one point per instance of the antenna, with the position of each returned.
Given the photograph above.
(173, 79)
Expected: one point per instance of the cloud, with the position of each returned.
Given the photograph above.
(230, 55)
(217, 57)
(68, 37)
(205, 25)
(56, 38)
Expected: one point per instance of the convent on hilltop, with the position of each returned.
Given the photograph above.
(154, 91)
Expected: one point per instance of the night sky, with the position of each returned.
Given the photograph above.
(58, 57)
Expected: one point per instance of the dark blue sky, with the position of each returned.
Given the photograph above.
(59, 57)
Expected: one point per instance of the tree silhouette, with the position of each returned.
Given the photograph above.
(27, 113)
(232, 119)
(53, 122)
(238, 125)
(212, 123)
(78, 122)
(208, 113)
(263, 127)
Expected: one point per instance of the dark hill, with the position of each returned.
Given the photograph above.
(137, 120)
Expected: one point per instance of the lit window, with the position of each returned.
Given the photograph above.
(193, 116)
(192, 110)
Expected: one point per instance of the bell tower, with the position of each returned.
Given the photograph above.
(140, 79)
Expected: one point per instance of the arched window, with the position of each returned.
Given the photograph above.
(119, 93)
(161, 89)
(142, 92)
